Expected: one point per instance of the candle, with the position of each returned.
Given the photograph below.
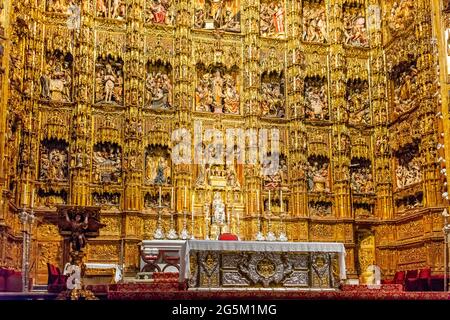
(32, 199)
(257, 200)
(192, 205)
(185, 197)
(281, 200)
(171, 200)
(160, 196)
(269, 202)
(192, 216)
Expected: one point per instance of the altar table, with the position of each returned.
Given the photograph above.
(248, 264)
(252, 264)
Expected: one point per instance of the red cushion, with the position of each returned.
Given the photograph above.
(228, 237)
(425, 273)
(2, 284)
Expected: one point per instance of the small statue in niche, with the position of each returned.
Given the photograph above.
(316, 100)
(217, 14)
(218, 209)
(405, 90)
(159, 90)
(217, 93)
(361, 180)
(159, 12)
(160, 178)
(272, 98)
(355, 28)
(107, 164)
(359, 104)
(56, 6)
(53, 161)
(56, 79)
(232, 179)
(318, 177)
(271, 18)
(314, 23)
(109, 80)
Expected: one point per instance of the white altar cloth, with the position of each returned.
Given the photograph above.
(214, 245)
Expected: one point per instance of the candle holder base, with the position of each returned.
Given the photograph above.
(260, 237)
(184, 235)
(271, 236)
(159, 234)
(282, 237)
(172, 235)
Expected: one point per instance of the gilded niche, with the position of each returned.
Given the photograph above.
(111, 9)
(109, 80)
(217, 90)
(158, 86)
(272, 18)
(273, 95)
(218, 14)
(355, 29)
(314, 22)
(404, 79)
(54, 163)
(159, 12)
(56, 77)
(157, 165)
(401, 16)
(316, 98)
(107, 161)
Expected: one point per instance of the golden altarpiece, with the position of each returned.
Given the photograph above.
(92, 90)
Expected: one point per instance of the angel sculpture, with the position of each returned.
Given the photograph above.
(78, 225)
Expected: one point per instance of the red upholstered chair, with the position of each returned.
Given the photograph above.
(56, 281)
(411, 280)
(399, 278)
(14, 281)
(422, 282)
(2, 280)
(228, 237)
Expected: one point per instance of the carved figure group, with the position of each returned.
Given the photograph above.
(355, 30)
(158, 90)
(112, 9)
(272, 18)
(53, 164)
(359, 105)
(106, 199)
(159, 12)
(401, 15)
(314, 24)
(362, 180)
(109, 81)
(317, 177)
(218, 14)
(157, 170)
(58, 6)
(218, 208)
(408, 173)
(320, 209)
(405, 90)
(280, 177)
(272, 99)
(217, 93)
(316, 101)
(56, 78)
(107, 164)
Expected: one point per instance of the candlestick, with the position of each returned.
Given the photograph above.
(160, 196)
(238, 225)
(172, 200)
(270, 206)
(281, 200)
(185, 197)
(192, 217)
(32, 199)
(257, 200)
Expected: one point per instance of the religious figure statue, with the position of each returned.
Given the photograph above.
(217, 93)
(78, 229)
(273, 102)
(160, 178)
(53, 164)
(316, 101)
(109, 81)
(217, 14)
(56, 79)
(219, 215)
(159, 90)
(314, 23)
(359, 105)
(112, 9)
(271, 18)
(232, 180)
(401, 15)
(355, 28)
(317, 177)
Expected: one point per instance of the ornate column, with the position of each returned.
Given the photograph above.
(382, 154)
(183, 99)
(339, 115)
(133, 164)
(82, 116)
(251, 91)
(295, 105)
(428, 88)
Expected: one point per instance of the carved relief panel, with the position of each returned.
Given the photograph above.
(159, 12)
(314, 21)
(109, 81)
(158, 86)
(273, 95)
(218, 14)
(111, 9)
(355, 29)
(272, 18)
(107, 162)
(54, 160)
(158, 165)
(316, 99)
(217, 90)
